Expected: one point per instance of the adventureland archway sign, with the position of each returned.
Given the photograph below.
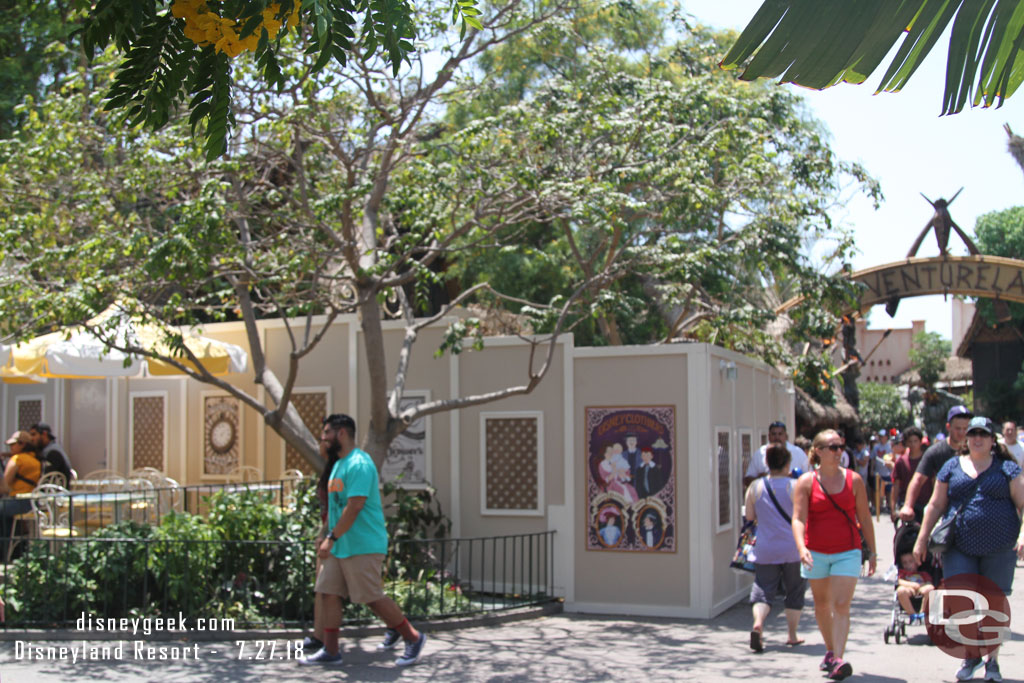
(977, 275)
(991, 277)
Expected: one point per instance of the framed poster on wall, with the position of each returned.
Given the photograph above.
(408, 460)
(222, 435)
(631, 479)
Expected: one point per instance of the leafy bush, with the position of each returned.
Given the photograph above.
(813, 373)
(881, 407)
(249, 559)
(412, 515)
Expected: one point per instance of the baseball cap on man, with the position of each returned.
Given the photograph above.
(958, 411)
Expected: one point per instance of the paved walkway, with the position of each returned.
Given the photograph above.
(569, 648)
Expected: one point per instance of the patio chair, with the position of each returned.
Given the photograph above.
(168, 498)
(57, 478)
(102, 480)
(291, 479)
(245, 474)
(142, 508)
(48, 517)
(51, 507)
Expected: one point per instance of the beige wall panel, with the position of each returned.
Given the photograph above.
(178, 441)
(746, 399)
(44, 392)
(497, 367)
(251, 422)
(85, 438)
(660, 580)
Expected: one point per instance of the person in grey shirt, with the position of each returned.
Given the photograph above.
(52, 456)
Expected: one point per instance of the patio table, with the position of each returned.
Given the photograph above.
(96, 509)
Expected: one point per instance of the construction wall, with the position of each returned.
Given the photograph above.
(514, 466)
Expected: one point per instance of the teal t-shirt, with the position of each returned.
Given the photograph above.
(356, 475)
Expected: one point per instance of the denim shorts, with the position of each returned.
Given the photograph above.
(846, 563)
(998, 567)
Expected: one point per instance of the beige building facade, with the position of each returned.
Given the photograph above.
(523, 464)
(886, 357)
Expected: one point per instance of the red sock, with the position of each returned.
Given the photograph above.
(331, 640)
(406, 630)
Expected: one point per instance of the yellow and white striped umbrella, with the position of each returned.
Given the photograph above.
(78, 353)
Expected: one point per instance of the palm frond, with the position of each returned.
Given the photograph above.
(818, 43)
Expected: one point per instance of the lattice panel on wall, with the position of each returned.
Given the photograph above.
(724, 513)
(511, 451)
(30, 412)
(746, 453)
(312, 407)
(148, 432)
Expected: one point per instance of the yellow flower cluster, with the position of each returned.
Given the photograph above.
(204, 27)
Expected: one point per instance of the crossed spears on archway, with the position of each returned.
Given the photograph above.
(940, 222)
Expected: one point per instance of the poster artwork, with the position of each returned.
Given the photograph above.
(222, 454)
(631, 483)
(406, 461)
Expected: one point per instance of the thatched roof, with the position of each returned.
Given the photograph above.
(957, 370)
(812, 417)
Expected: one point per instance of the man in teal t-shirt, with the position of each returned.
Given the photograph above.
(353, 552)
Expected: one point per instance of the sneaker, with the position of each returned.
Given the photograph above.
(968, 668)
(391, 638)
(840, 670)
(321, 657)
(992, 671)
(311, 644)
(826, 664)
(412, 651)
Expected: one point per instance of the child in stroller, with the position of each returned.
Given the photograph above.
(913, 582)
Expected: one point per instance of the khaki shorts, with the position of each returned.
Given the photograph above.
(356, 578)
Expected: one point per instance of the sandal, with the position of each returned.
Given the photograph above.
(756, 643)
(794, 643)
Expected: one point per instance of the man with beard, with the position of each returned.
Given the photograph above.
(934, 458)
(353, 551)
(52, 456)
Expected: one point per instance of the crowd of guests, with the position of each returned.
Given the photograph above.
(814, 521)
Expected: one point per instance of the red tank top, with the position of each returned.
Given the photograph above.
(828, 530)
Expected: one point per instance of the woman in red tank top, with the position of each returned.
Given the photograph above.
(830, 512)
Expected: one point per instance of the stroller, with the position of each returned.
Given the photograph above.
(903, 542)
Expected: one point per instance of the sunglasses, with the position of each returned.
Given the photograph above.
(833, 447)
(978, 432)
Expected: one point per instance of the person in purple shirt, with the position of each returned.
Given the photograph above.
(775, 556)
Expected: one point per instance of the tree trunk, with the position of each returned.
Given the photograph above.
(291, 428)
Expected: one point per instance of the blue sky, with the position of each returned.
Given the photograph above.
(902, 141)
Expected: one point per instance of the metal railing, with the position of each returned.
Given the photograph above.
(261, 584)
(81, 512)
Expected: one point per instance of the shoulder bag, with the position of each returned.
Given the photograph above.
(865, 551)
(748, 537)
